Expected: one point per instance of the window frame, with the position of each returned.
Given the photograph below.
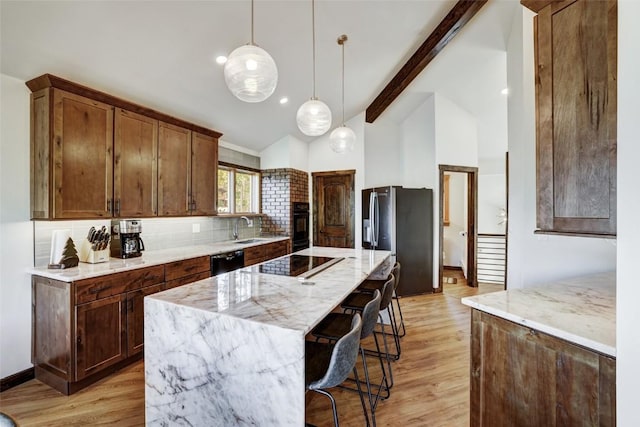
(256, 188)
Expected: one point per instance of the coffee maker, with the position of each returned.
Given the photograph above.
(125, 238)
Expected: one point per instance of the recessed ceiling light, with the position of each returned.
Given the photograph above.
(221, 59)
(284, 100)
(505, 91)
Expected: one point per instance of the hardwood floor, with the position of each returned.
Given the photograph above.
(431, 379)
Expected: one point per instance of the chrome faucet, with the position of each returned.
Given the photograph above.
(235, 226)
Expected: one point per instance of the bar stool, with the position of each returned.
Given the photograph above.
(355, 303)
(334, 325)
(369, 285)
(328, 365)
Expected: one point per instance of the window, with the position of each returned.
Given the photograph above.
(238, 190)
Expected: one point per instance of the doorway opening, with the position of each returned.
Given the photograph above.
(460, 182)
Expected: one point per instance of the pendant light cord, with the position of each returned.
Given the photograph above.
(313, 44)
(342, 44)
(252, 42)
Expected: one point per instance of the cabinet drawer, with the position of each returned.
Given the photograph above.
(187, 279)
(187, 267)
(277, 249)
(254, 254)
(88, 290)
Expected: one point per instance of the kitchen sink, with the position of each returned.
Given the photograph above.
(247, 241)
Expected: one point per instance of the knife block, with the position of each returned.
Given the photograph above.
(88, 255)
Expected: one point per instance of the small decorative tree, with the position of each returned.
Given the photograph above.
(69, 255)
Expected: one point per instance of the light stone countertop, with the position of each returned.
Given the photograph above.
(287, 302)
(580, 310)
(148, 259)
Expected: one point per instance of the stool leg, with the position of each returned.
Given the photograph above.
(397, 300)
(364, 406)
(333, 405)
(372, 406)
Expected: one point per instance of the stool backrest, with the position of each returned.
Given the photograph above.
(343, 357)
(370, 314)
(396, 273)
(387, 292)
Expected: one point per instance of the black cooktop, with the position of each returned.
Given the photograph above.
(293, 265)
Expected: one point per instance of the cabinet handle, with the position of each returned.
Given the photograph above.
(109, 206)
(98, 290)
(130, 305)
(193, 205)
(79, 340)
(118, 207)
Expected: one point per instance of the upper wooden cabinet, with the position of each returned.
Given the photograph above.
(187, 168)
(576, 69)
(71, 167)
(135, 165)
(94, 156)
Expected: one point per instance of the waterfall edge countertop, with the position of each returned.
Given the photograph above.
(148, 259)
(581, 310)
(229, 350)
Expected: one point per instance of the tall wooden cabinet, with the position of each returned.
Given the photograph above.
(97, 156)
(576, 91)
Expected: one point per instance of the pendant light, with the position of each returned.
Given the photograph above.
(314, 116)
(342, 138)
(250, 72)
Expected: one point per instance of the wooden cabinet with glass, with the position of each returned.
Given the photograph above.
(96, 156)
(576, 93)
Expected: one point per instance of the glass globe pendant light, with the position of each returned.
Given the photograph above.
(342, 138)
(314, 116)
(250, 72)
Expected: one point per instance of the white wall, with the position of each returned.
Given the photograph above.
(288, 152)
(418, 147)
(16, 233)
(323, 158)
(628, 291)
(491, 198)
(382, 153)
(535, 259)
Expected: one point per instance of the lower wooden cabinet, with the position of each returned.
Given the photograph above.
(84, 330)
(261, 253)
(523, 377)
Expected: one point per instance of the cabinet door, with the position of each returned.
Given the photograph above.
(100, 335)
(254, 255)
(576, 68)
(204, 173)
(174, 169)
(135, 318)
(277, 249)
(523, 377)
(82, 157)
(135, 165)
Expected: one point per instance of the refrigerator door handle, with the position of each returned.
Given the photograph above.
(376, 219)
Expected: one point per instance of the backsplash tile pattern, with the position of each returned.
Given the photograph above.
(280, 188)
(157, 233)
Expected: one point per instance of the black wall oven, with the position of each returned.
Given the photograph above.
(300, 232)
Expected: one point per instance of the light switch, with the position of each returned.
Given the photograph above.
(195, 228)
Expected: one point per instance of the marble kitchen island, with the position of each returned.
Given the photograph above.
(229, 350)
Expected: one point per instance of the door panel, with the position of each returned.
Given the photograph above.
(204, 174)
(333, 204)
(174, 167)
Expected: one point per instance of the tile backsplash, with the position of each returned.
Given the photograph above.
(157, 233)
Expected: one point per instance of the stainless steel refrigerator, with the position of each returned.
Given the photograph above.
(400, 220)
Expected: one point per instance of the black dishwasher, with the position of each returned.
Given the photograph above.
(222, 263)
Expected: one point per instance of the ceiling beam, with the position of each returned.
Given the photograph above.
(457, 17)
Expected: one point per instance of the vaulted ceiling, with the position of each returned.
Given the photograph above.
(161, 54)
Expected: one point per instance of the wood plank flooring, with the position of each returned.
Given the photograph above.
(431, 379)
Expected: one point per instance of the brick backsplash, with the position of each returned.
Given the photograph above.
(280, 188)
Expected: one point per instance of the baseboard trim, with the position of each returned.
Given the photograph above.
(16, 379)
(452, 268)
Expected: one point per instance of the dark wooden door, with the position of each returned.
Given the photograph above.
(333, 209)
(174, 168)
(576, 69)
(135, 165)
(82, 156)
(100, 335)
(135, 317)
(204, 174)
